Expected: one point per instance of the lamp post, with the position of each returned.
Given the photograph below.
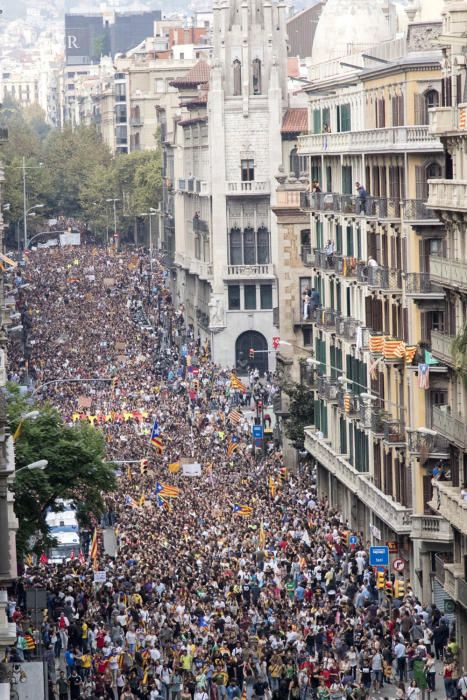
(152, 212)
(114, 200)
(25, 167)
(40, 465)
(29, 212)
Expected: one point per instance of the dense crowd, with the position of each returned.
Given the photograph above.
(202, 601)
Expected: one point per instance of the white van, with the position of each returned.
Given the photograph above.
(67, 543)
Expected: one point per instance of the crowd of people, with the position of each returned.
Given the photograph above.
(245, 585)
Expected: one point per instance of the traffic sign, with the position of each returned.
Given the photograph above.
(257, 432)
(398, 565)
(379, 556)
(195, 371)
(353, 540)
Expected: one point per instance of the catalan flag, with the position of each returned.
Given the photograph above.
(156, 439)
(174, 467)
(376, 343)
(410, 352)
(129, 501)
(142, 500)
(167, 491)
(272, 487)
(232, 445)
(234, 416)
(163, 502)
(93, 547)
(236, 384)
(393, 349)
(261, 537)
(244, 511)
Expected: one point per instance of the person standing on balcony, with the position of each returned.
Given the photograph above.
(314, 299)
(362, 196)
(329, 250)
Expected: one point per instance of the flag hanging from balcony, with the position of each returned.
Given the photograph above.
(376, 343)
(347, 403)
(424, 376)
(410, 351)
(393, 349)
(373, 370)
(462, 120)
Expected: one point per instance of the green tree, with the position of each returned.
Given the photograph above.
(76, 468)
(301, 413)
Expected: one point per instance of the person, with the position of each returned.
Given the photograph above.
(462, 684)
(314, 300)
(400, 692)
(62, 686)
(413, 691)
(401, 661)
(362, 198)
(75, 683)
(329, 250)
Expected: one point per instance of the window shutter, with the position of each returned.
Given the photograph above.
(400, 108)
(427, 493)
(421, 187)
(394, 329)
(368, 312)
(377, 463)
(383, 181)
(393, 252)
(394, 111)
(405, 320)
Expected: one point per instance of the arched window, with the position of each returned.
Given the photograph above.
(294, 162)
(256, 77)
(249, 252)
(235, 245)
(263, 245)
(431, 99)
(237, 77)
(433, 170)
(255, 341)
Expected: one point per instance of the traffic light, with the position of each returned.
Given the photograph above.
(251, 353)
(388, 589)
(143, 466)
(399, 588)
(380, 580)
(283, 474)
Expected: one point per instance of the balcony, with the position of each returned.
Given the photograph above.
(449, 273)
(379, 208)
(442, 120)
(238, 187)
(348, 402)
(383, 278)
(345, 265)
(427, 445)
(398, 138)
(306, 255)
(394, 432)
(447, 195)
(202, 269)
(447, 502)
(136, 121)
(249, 272)
(372, 418)
(419, 285)
(452, 426)
(432, 528)
(454, 583)
(322, 260)
(325, 318)
(328, 388)
(395, 515)
(441, 347)
(200, 225)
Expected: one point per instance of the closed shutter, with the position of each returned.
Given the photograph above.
(316, 121)
(459, 89)
(394, 321)
(427, 492)
(351, 443)
(375, 181)
(332, 358)
(404, 254)
(377, 463)
(343, 435)
(420, 110)
(349, 232)
(338, 297)
(393, 252)
(400, 110)
(386, 317)
(339, 239)
(383, 181)
(394, 111)
(384, 250)
(405, 321)
(421, 187)
(339, 359)
(388, 486)
(368, 313)
(378, 315)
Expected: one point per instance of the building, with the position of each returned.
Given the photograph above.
(448, 268)
(301, 29)
(363, 346)
(88, 37)
(227, 151)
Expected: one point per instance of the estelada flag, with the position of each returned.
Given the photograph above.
(239, 509)
(43, 558)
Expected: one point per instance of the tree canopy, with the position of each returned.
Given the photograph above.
(301, 413)
(76, 469)
(72, 172)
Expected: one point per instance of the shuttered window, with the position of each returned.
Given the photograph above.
(397, 103)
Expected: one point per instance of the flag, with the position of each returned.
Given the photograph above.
(174, 467)
(232, 445)
(261, 536)
(376, 343)
(410, 352)
(393, 349)
(128, 472)
(424, 376)
(236, 384)
(272, 487)
(156, 439)
(162, 502)
(373, 370)
(141, 500)
(245, 511)
(93, 546)
(81, 558)
(43, 558)
(234, 416)
(167, 491)
(72, 555)
(28, 560)
(347, 403)
(129, 501)
(18, 431)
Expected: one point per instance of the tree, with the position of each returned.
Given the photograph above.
(76, 469)
(301, 413)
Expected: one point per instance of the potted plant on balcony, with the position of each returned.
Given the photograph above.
(459, 353)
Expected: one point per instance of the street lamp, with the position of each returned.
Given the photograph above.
(25, 167)
(40, 465)
(152, 212)
(115, 200)
(26, 213)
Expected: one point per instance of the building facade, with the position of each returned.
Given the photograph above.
(227, 152)
(362, 313)
(448, 268)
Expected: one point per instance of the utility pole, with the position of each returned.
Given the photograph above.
(25, 204)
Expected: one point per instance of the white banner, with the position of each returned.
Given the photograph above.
(193, 469)
(70, 239)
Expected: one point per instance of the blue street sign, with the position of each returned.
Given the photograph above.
(353, 539)
(379, 556)
(257, 432)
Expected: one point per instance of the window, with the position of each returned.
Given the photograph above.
(346, 179)
(307, 337)
(237, 77)
(234, 297)
(328, 178)
(160, 87)
(326, 119)
(249, 252)
(316, 121)
(235, 240)
(343, 118)
(256, 77)
(380, 116)
(398, 110)
(263, 245)
(248, 170)
(249, 291)
(431, 99)
(120, 92)
(266, 296)
(294, 162)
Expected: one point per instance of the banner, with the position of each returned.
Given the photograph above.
(193, 469)
(70, 239)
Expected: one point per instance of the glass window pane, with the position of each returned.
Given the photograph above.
(266, 296)
(249, 246)
(235, 247)
(263, 246)
(250, 296)
(234, 297)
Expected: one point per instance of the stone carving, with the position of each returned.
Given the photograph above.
(422, 36)
(216, 313)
